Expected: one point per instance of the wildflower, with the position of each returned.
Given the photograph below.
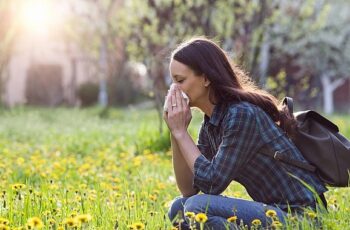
(84, 218)
(276, 224)
(201, 218)
(190, 215)
(36, 222)
(153, 213)
(311, 214)
(29, 226)
(153, 197)
(256, 222)
(4, 227)
(17, 187)
(51, 222)
(71, 222)
(4, 221)
(271, 213)
(139, 226)
(232, 219)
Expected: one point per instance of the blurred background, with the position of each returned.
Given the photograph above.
(78, 53)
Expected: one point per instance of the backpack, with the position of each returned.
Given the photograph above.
(321, 144)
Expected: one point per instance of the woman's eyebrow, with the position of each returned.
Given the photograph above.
(178, 75)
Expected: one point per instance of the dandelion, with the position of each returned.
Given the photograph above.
(152, 213)
(139, 226)
(4, 227)
(232, 219)
(71, 222)
(36, 222)
(190, 215)
(256, 222)
(18, 186)
(276, 224)
(271, 213)
(201, 218)
(29, 226)
(84, 218)
(153, 197)
(311, 214)
(51, 222)
(4, 221)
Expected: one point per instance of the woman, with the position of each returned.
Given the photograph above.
(240, 123)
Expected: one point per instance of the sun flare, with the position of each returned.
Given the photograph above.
(38, 17)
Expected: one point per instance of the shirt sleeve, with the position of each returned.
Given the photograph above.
(203, 142)
(239, 143)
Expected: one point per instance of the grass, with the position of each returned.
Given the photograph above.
(65, 166)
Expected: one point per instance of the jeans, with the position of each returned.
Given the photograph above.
(219, 208)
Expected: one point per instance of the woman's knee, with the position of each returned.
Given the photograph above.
(196, 203)
(176, 206)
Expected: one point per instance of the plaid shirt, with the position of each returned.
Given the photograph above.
(230, 142)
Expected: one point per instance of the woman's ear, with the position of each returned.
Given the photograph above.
(206, 81)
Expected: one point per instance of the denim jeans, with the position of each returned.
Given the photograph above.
(219, 208)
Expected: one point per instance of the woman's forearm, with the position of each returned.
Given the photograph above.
(183, 174)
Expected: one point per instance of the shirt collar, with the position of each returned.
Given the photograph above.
(217, 115)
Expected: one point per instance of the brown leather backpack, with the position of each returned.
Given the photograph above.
(320, 142)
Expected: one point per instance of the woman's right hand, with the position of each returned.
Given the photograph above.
(171, 99)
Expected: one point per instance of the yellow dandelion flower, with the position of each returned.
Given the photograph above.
(276, 224)
(232, 219)
(71, 222)
(271, 213)
(190, 215)
(201, 218)
(256, 222)
(139, 226)
(4, 227)
(84, 218)
(18, 186)
(60, 228)
(153, 197)
(36, 222)
(51, 222)
(311, 214)
(29, 226)
(4, 221)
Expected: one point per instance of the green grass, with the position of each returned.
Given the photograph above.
(113, 165)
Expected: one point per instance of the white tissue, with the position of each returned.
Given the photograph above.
(166, 106)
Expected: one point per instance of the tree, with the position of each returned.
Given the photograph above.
(322, 47)
(93, 28)
(8, 31)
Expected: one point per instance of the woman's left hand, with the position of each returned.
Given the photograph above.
(178, 115)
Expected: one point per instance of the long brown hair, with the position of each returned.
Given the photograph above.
(227, 81)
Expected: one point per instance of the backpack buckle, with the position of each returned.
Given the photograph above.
(276, 155)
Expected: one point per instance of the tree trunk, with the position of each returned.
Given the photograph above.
(264, 59)
(329, 87)
(102, 95)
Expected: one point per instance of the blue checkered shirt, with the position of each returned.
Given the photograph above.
(230, 142)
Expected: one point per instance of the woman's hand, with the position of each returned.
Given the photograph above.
(178, 116)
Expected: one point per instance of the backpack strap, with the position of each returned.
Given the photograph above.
(288, 101)
(277, 155)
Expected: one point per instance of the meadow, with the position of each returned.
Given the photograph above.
(103, 169)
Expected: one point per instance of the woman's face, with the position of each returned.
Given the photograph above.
(196, 87)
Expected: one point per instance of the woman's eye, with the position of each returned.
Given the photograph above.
(180, 81)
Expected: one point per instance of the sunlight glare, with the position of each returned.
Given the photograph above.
(38, 17)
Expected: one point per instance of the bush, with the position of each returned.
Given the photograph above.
(88, 93)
